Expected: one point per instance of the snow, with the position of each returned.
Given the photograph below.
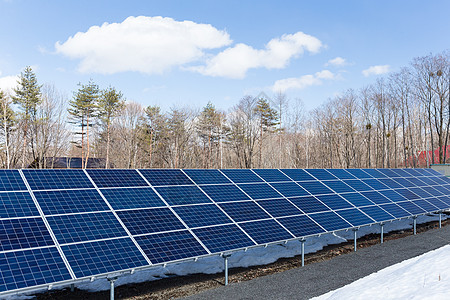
(251, 257)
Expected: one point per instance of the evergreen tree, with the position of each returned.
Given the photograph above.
(84, 109)
(268, 119)
(209, 129)
(109, 105)
(155, 135)
(28, 97)
(7, 123)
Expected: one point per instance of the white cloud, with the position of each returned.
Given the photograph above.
(235, 61)
(142, 44)
(303, 81)
(8, 83)
(376, 70)
(338, 62)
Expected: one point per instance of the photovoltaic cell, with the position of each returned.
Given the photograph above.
(425, 205)
(390, 183)
(315, 188)
(241, 175)
(85, 227)
(170, 246)
(289, 189)
(375, 184)
(126, 198)
(301, 225)
(374, 173)
(321, 174)
(395, 210)
(201, 215)
(297, 174)
(431, 190)
(260, 191)
(338, 186)
(87, 259)
(271, 175)
(341, 173)
(206, 176)
(116, 178)
(21, 269)
(279, 207)
(354, 216)
(330, 221)
(158, 177)
(70, 201)
(244, 211)
(377, 213)
(388, 172)
(393, 195)
(376, 197)
(417, 181)
(401, 172)
(10, 180)
(180, 195)
(266, 231)
(17, 204)
(358, 185)
(223, 238)
(404, 182)
(411, 207)
(358, 173)
(427, 181)
(438, 203)
(407, 194)
(309, 204)
(412, 172)
(23, 233)
(152, 220)
(223, 193)
(334, 201)
(45, 179)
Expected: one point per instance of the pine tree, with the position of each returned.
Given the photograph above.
(7, 123)
(84, 108)
(28, 97)
(268, 119)
(209, 130)
(109, 105)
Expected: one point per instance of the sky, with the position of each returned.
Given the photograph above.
(186, 53)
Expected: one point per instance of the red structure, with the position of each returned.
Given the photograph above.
(425, 158)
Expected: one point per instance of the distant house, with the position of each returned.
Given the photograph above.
(69, 163)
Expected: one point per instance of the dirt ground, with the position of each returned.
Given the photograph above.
(180, 286)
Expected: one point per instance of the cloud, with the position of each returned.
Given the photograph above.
(8, 83)
(304, 81)
(337, 62)
(376, 70)
(234, 62)
(143, 44)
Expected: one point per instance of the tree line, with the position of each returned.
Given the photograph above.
(386, 124)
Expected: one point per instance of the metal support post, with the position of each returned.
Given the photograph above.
(72, 287)
(225, 266)
(303, 251)
(355, 240)
(382, 232)
(111, 289)
(440, 219)
(414, 224)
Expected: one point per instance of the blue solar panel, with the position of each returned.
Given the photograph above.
(23, 233)
(389, 173)
(244, 211)
(17, 204)
(180, 195)
(260, 191)
(158, 177)
(357, 199)
(358, 173)
(393, 195)
(341, 173)
(401, 172)
(223, 238)
(279, 207)
(206, 176)
(201, 215)
(70, 201)
(315, 188)
(271, 175)
(297, 174)
(404, 182)
(411, 207)
(126, 198)
(334, 201)
(439, 180)
(438, 203)
(358, 185)
(441, 189)
(301, 225)
(427, 181)
(330, 221)
(87, 259)
(170, 246)
(309, 204)
(377, 213)
(10, 180)
(374, 173)
(289, 189)
(407, 194)
(144, 221)
(85, 227)
(266, 231)
(338, 186)
(355, 217)
(444, 199)
(395, 210)
(431, 190)
(412, 172)
(321, 174)
(425, 205)
(241, 175)
(116, 178)
(390, 183)
(376, 197)
(417, 181)
(223, 193)
(21, 269)
(375, 184)
(57, 179)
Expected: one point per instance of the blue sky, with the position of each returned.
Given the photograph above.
(187, 53)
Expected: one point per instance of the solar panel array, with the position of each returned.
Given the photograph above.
(59, 226)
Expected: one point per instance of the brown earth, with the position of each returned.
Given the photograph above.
(181, 286)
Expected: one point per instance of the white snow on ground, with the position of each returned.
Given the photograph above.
(251, 257)
(423, 277)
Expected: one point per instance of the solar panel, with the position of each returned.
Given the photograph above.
(98, 222)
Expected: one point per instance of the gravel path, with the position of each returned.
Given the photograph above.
(319, 278)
